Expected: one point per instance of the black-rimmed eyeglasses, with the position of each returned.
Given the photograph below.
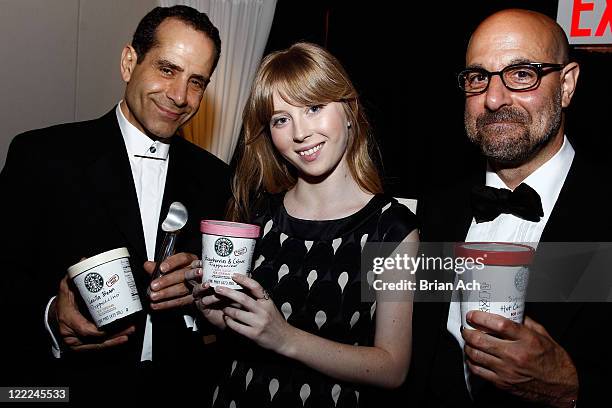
(515, 77)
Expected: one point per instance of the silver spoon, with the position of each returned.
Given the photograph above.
(175, 220)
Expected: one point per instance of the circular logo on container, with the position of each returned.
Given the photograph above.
(94, 282)
(520, 280)
(223, 247)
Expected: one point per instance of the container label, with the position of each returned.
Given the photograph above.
(222, 257)
(109, 291)
(502, 291)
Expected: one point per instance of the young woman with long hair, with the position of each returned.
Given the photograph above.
(299, 334)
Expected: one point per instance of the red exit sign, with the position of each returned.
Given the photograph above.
(586, 21)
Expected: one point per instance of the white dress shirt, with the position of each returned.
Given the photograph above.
(547, 181)
(149, 164)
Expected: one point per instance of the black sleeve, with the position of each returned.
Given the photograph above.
(24, 285)
(396, 223)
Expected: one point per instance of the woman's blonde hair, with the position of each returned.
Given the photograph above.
(303, 75)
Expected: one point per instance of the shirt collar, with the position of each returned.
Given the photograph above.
(137, 143)
(547, 179)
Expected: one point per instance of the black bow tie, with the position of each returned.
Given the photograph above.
(489, 202)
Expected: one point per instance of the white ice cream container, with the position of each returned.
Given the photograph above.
(106, 284)
(503, 276)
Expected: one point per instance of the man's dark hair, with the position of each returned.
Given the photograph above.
(145, 35)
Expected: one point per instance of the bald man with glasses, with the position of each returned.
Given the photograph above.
(518, 81)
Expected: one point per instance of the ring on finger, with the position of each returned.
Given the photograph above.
(266, 295)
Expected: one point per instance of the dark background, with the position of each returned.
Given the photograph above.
(403, 57)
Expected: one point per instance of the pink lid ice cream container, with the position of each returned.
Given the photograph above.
(227, 248)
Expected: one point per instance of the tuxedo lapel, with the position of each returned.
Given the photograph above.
(111, 177)
(562, 223)
(566, 225)
(446, 214)
(462, 207)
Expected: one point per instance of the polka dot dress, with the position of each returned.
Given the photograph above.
(312, 271)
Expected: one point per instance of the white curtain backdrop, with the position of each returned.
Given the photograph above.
(244, 26)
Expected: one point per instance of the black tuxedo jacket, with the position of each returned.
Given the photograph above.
(68, 193)
(580, 214)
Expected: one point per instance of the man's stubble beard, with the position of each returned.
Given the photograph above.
(509, 150)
